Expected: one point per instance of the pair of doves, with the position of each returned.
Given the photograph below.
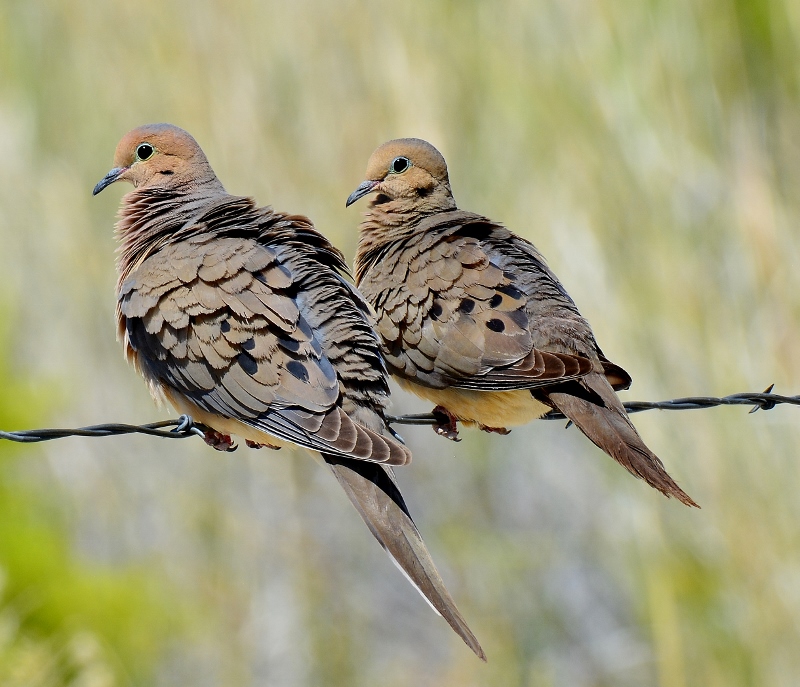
(244, 319)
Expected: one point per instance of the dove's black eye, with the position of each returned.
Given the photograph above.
(400, 164)
(144, 151)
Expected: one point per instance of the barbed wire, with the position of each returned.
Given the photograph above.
(760, 401)
(184, 426)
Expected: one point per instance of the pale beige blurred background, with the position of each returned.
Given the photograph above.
(650, 150)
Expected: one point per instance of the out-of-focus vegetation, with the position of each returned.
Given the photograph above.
(63, 621)
(651, 151)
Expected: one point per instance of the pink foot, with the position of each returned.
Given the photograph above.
(253, 444)
(220, 442)
(496, 430)
(449, 428)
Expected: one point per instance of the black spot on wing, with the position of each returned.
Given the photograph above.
(289, 345)
(496, 325)
(298, 370)
(304, 327)
(511, 291)
(248, 364)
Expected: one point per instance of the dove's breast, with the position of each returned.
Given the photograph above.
(487, 408)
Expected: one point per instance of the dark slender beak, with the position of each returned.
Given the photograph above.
(363, 189)
(109, 179)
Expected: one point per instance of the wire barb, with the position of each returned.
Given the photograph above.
(184, 426)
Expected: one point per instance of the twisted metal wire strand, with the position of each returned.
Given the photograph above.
(184, 427)
(760, 401)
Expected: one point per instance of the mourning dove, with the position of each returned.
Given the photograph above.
(240, 316)
(473, 320)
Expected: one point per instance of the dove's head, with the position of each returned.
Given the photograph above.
(408, 174)
(159, 156)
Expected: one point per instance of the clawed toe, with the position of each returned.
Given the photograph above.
(218, 441)
(253, 444)
(495, 430)
(448, 428)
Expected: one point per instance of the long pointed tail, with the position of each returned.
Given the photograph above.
(373, 491)
(594, 407)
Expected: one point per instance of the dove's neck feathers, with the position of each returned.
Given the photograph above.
(410, 204)
(153, 216)
(401, 218)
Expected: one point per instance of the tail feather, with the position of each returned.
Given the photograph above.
(372, 489)
(599, 414)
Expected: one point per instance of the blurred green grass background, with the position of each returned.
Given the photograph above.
(651, 151)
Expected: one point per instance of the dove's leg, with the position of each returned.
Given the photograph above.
(218, 441)
(253, 444)
(495, 430)
(449, 427)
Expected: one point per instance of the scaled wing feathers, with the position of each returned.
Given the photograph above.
(218, 318)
